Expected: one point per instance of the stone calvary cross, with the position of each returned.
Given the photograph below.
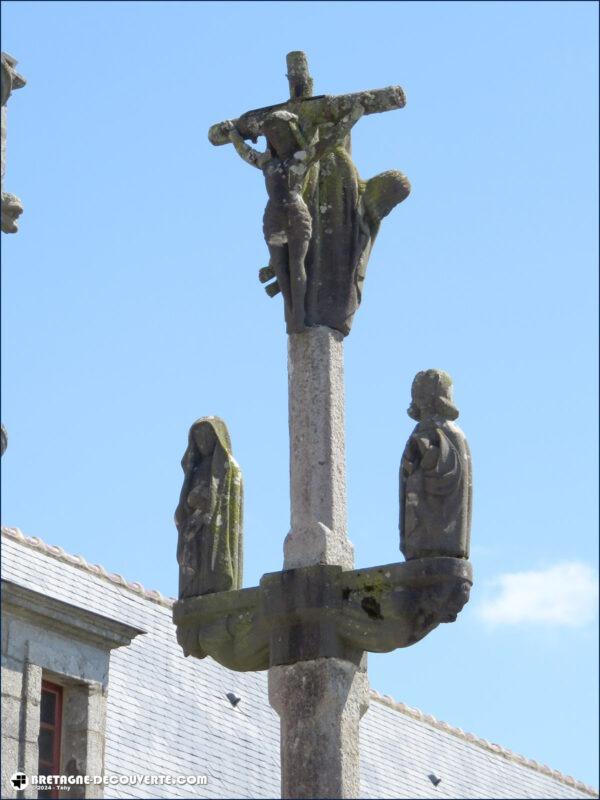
(312, 624)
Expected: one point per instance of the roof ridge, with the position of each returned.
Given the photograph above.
(79, 561)
(416, 713)
(57, 552)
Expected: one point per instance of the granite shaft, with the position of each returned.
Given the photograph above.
(318, 532)
(320, 704)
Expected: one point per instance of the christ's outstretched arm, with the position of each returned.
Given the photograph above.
(251, 156)
(334, 134)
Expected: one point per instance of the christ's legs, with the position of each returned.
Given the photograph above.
(299, 232)
(279, 263)
(298, 248)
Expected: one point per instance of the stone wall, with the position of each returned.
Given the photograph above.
(47, 639)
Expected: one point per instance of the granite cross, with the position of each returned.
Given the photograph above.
(312, 624)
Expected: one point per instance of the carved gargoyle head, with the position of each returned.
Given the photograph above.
(432, 396)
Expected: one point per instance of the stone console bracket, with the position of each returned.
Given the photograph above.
(323, 612)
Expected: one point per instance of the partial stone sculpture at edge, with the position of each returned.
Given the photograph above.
(435, 474)
(12, 208)
(209, 516)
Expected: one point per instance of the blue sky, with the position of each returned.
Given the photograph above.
(131, 307)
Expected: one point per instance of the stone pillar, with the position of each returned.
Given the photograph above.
(320, 704)
(318, 532)
(12, 695)
(84, 720)
(21, 692)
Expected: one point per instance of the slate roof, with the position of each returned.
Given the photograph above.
(170, 715)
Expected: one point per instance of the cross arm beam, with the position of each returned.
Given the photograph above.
(316, 110)
(323, 611)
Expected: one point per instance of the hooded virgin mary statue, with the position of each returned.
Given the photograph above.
(209, 516)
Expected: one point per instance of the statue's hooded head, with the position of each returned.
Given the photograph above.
(281, 132)
(432, 395)
(383, 193)
(205, 435)
(208, 439)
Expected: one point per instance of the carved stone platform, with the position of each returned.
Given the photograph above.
(323, 612)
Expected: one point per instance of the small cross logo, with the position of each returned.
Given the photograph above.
(19, 781)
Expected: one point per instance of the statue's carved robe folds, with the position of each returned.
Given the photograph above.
(435, 491)
(347, 213)
(209, 516)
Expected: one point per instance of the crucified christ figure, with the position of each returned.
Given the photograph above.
(287, 222)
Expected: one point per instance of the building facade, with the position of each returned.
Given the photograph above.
(94, 684)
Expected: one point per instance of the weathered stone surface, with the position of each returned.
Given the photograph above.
(397, 605)
(228, 626)
(321, 219)
(287, 222)
(10, 77)
(209, 516)
(320, 704)
(322, 611)
(30, 723)
(435, 474)
(12, 207)
(11, 712)
(10, 764)
(324, 108)
(303, 609)
(318, 532)
(298, 75)
(87, 628)
(84, 722)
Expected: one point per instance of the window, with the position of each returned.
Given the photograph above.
(50, 732)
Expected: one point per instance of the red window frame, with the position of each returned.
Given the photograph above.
(52, 767)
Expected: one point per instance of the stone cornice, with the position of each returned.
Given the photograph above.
(72, 621)
(80, 562)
